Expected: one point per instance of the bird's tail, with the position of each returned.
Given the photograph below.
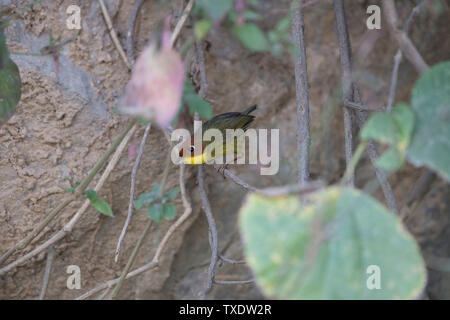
(249, 110)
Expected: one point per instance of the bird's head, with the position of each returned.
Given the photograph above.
(191, 152)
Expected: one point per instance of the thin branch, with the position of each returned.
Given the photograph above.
(181, 22)
(403, 41)
(48, 268)
(234, 281)
(212, 230)
(113, 34)
(155, 261)
(78, 192)
(132, 187)
(394, 78)
(229, 174)
(69, 226)
(398, 56)
(231, 261)
(346, 67)
(361, 107)
(421, 186)
(130, 27)
(302, 95)
(200, 56)
(415, 11)
(373, 156)
(131, 259)
(353, 91)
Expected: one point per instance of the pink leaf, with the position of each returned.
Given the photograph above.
(156, 85)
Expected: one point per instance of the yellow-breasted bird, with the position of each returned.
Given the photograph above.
(228, 120)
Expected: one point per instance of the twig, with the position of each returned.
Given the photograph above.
(132, 187)
(346, 67)
(130, 27)
(155, 261)
(373, 156)
(48, 268)
(302, 96)
(213, 238)
(103, 295)
(200, 56)
(131, 259)
(421, 186)
(181, 22)
(361, 107)
(113, 34)
(398, 56)
(78, 192)
(234, 281)
(403, 41)
(394, 78)
(231, 261)
(212, 230)
(69, 226)
(411, 16)
(229, 174)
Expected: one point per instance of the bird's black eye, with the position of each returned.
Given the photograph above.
(192, 148)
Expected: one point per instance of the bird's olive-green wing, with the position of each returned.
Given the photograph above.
(229, 120)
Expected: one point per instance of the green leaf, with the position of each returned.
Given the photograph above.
(215, 9)
(170, 210)
(380, 127)
(155, 212)
(171, 195)
(91, 194)
(283, 25)
(324, 249)
(201, 28)
(391, 160)
(251, 36)
(195, 102)
(430, 143)
(247, 15)
(147, 197)
(393, 128)
(10, 83)
(102, 206)
(404, 119)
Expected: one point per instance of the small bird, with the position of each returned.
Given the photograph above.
(228, 120)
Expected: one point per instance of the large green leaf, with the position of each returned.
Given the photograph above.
(325, 248)
(430, 143)
(10, 83)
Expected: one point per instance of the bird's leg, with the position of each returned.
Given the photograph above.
(222, 168)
